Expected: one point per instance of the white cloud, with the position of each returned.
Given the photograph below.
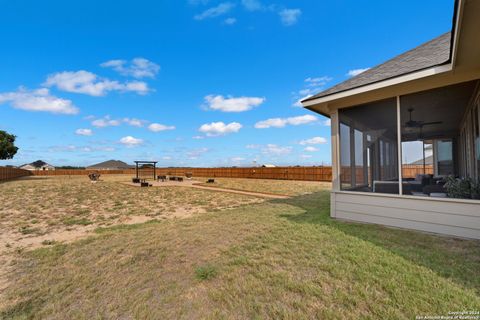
(230, 21)
(138, 87)
(289, 17)
(84, 132)
(237, 159)
(273, 122)
(215, 129)
(296, 121)
(198, 137)
(166, 158)
(327, 122)
(312, 86)
(130, 141)
(252, 146)
(73, 148)
(213, 12)
(231, 104)
(38, 100)
(356, 72)
(314, 140)
(157, 127)
(89, 83)
(109, 149)
(105, 122)
(137, 68)
(306, 156)
(317, 82)
(311, 149)
(134, 122)
(252, 5)
(282, 122)
(273, 149)
(195, 153)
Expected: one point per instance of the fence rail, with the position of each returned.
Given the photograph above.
(280, 173)
(7, 173)
(411, 170)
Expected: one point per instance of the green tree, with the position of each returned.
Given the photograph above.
(7, 145)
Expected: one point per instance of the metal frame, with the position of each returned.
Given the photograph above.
(146, 162)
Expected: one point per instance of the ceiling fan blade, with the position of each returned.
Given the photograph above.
(433, 122)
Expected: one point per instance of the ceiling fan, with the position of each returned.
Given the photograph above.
(418, 124)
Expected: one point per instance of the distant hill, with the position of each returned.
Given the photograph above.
(110, 165)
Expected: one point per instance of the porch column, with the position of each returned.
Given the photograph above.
(399, 147)
(335, 150)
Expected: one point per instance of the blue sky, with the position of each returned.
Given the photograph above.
(192, 82)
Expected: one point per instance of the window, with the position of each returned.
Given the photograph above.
(345, 162)
(477, 137)
(444, 157)
(360, 171)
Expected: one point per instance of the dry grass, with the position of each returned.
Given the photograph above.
(281, 259)
(41, 206)
(43, 211)
(284, 187)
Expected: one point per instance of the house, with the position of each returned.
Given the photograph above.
(38, 165)
(429, 95)
(110, 165)
(423, 161)
(268, 165)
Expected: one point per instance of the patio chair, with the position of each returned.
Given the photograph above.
(94, 176)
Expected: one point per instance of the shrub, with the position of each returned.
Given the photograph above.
(464, 188)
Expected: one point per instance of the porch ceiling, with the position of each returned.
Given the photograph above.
(446, 105)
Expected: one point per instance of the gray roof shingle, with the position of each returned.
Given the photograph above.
(432, 53)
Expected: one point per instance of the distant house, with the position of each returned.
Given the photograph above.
(38, 165)
(420, 162)
(110, 165)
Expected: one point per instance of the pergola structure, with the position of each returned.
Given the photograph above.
(142, 163)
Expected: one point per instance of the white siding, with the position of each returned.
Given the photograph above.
(446, 216)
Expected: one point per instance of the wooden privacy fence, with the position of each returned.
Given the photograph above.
(280, 173)
(408, 171)
(411, 170)
(7, 173)
(78, 172)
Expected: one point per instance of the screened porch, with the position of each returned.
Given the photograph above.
(425, 144)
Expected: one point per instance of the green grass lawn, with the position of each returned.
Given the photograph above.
(282, 259)
(283, 187)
